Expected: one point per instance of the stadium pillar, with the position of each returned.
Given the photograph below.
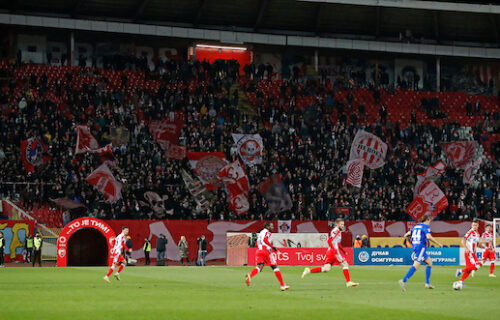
(438, 74)
(71, 48)
(316, 61)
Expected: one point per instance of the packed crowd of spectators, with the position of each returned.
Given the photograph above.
(308, 148)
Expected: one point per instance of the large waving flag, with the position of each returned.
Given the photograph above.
(103, 180)
(85, 141)
(166, 131)
(370, 148)
(276, 195)
(430, 200)
(207, 165)
(460, 153)
(354, 171)
(175, 152)
(432, 172)
(236, 184)
(249, 147)
(471, 170)
(201, 195)
(33, 153)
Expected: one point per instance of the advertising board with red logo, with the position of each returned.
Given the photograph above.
(299, 256)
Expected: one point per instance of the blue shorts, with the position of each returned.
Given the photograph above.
(420, 253)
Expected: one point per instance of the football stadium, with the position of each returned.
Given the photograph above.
(246, 159)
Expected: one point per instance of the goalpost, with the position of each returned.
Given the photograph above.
(496, 237)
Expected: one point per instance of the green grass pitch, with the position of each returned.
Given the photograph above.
(220, 293)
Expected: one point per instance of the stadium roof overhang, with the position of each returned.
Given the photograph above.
(435, 27)
(248, 37)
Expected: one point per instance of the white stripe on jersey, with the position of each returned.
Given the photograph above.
(471, 240)
(336, 237)
(120, 241)
(488, 238)
(260, 240)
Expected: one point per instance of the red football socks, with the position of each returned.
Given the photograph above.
(316, 270)
(277, 273)
(492, 267)
(120, 268)
(254, 272)
(346, 275)
(110, 271)
(465, 275)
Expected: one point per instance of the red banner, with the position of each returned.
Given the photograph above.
(85, 141)
(166, 131)
(236, 184)
(299, 256)
(460, 153)
(14, 233)
(33, 152)
(103, 180)
(207, 165)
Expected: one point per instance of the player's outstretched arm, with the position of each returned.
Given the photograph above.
(432, 239)
(407, 234)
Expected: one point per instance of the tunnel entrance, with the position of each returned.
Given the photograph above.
(87, 247)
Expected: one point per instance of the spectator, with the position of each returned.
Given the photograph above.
(161, 247)
(2, 247)
(147, 249)
(202, 250)
(252, 241)
(358, 242)
(365, 243)
(183, 250)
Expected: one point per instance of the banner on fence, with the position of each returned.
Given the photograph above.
(299, 256)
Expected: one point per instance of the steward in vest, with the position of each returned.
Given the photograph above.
(28, 245)
(147, 250)
(37, 250)
(357, 242)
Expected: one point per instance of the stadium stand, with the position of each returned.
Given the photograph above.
(295, 117)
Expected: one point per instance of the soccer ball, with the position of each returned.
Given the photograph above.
(457, 285)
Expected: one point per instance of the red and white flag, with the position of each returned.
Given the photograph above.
(175, 152)
(105, 153)
(33, 153)
(207, 165)
(434, 171)
(103, 180)
(234, 177)
(236, 184)
(370, 148)
(354, 172)
(471, 171)
(249, 147)
(239, 204)
(430, 200)
(85, 141)
(166, 131)
(460, 153)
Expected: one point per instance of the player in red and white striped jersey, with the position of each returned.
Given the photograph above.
(489, 250)
(264, 256)
(470, 241)
(334, 254)
(120, 245)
